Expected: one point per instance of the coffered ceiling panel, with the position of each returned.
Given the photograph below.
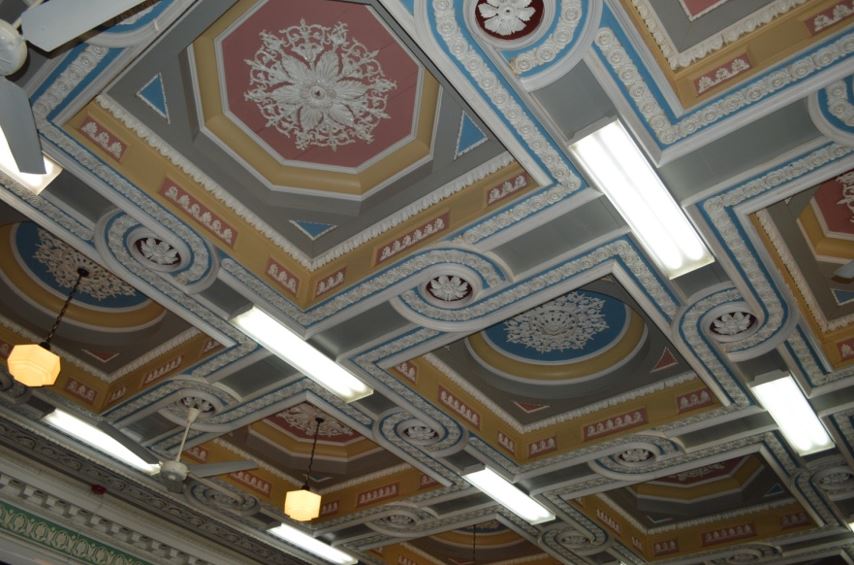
(396, 183)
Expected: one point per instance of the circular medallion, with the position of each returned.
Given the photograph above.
(449, 288)
(509, 20)
(157, 254)
(575, 337)
(731, 322)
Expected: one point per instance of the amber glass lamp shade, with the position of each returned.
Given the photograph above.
(33, 365)
(302, 505)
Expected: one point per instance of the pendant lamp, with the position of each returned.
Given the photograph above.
(303, 505)
(34, 364)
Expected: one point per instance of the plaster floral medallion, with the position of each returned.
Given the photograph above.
(318, 85)
(158, 252)
(509, 19)
(302, 418)
(62, 262)
(449, 288)
(636, 455)
(732, 325)
(567, 322)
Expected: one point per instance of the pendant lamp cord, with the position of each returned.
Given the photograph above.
(474, 545)
(81, 273)
(319, 421)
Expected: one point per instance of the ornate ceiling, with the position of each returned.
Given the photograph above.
(392, 179)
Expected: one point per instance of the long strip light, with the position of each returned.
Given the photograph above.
(33, 183)
(286, 344)
(783, 399)
(93, 437)
(311, 545)
(505, 493)
(618, 167)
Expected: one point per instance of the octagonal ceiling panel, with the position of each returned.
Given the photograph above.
(537, 384)
(809, 236)
(320, 98)
(337, 92)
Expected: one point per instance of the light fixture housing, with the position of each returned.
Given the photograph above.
(90, 435)
(288, 345)
(781, 396)
(33, 365)
(302, 505)
(618, 167)
(311, 545)
(33, 183)
(506, 494)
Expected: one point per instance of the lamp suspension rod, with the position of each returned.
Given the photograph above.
(319, 421)
(81, 273)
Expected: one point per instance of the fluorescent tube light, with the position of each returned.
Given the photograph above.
(313, 546)
(93, 437)
(33, 183)
(505, 493)
(286, 344)
(783, 399)
(618, 167)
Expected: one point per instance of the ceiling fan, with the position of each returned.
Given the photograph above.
(47, 26)
(173, 472)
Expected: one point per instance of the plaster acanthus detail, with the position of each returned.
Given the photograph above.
(732, 323)
(409, 266)
(449, 288)
(506, 17)
(847, 200)
(668, 132)
(679, 59)
(620, 248)
(717, 208)
(556, 42)
(838, 104)
(302, 418)
(158, 252)
(702, 349)
(459, 47)
(798, 277)
(318, 85)
(505, 416)
(567, 322)
(312, 264)
(62, 262)
(814, 372)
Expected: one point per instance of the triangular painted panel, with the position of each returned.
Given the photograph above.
(842, 296)
(530, 407)
(410, 5)
(313, 230)
(154, 95)
(775, 489)
(666, 361)
(469, 136)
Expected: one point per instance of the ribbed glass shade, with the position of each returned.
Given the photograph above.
(32, 365)
(302, 505)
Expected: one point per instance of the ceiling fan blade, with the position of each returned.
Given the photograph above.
(54, 23)
(130, 444)
(19, 127)
(214, 469)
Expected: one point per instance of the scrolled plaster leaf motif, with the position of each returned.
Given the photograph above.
(62, 262)
(733, 323)
(158, 252)
(318, 85)
(302, 418)
(555, 43)
(636, 455)
(449, 288)
(506, 17)
(567, 322)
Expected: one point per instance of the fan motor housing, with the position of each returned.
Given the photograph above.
(13, 49)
